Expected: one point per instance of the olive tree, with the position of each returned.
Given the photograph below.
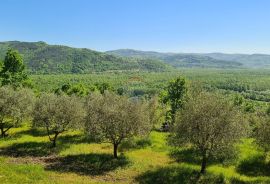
(114, 118)
(15, 105)
(58, 114)
(210, 124)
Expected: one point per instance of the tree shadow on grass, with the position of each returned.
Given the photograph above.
(74, 139)
(87, 164)
(36, 132)
(177, 175)
(63, 138)
(41, 149)
(254, 166)
(34, 149)
(39, 132)
(188, 155)
(18, 134)
(192, 156)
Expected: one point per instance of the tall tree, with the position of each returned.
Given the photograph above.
(211, 125)
(114, 118)
(175, 94)
(14, 107)
(13, 70)
(58, 114)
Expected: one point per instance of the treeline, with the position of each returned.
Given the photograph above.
(245, 90)
(107, 116)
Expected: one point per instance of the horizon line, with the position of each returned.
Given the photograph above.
(140, 50)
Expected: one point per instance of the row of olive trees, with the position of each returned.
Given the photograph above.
(108, 117)
(119, 117)
(207, 121)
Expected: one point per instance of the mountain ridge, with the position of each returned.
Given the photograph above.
(255, 60)
(179, 60)
(42, 58)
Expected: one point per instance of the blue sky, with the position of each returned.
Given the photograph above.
(231, 26)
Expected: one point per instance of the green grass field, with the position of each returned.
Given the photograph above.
(26, 157)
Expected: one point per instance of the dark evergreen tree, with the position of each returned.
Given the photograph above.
(13, 70)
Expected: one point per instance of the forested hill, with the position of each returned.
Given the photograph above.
(248, 60)
(44, 58)
(219, 60)
(180, 59)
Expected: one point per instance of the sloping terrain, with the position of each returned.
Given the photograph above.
(248, 60)
(43, 58)
(180, 59)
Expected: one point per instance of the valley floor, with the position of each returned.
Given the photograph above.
(26, 157)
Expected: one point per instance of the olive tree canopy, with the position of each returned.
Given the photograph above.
(58, 114)
(15, 105)
(210, 124)
(114, 118)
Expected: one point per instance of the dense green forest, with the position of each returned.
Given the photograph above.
(251, 84)
(180, 60)
(209, 60)
(43, 58)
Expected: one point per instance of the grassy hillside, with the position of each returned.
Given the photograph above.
(26, 157)
(179, 60)
(43, 58)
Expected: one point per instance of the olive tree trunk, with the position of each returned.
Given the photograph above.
(203, 164)
(3, 130)
(115, 147)
(53, 139)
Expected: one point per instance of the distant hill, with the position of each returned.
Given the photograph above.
(41, 57)
(180, 59)
(248, 60)
(44, 58)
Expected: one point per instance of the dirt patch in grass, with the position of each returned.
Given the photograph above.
(32, 160)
